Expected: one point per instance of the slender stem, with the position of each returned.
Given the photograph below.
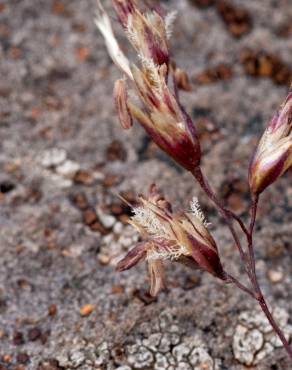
(242, 287)
(250, 235)
(255, 283)
(197, 173)
(238, 219)
(273, 323)
(248, 264)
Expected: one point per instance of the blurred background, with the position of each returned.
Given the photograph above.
(64, 157)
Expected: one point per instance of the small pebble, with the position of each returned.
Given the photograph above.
(97, 226)
(34, 334)
(22, 358)
(18, 338)
(111, 180)
(118, 289)
(238, 20)
(98, 176)
(86, 310)
(118, 227)
(275, 276)
(108, 221)
(80, 200)
(116, 151)
(7, 358)
(126, 241)
(103, 259)
(68, 169)
(84, 177)
(60, 181)
(89, 216)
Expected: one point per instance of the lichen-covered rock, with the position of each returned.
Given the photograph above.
(246, 343)
(254, 338)
(140, 357)
(76, 358)
(181, 352)
(200, 359)
(103, 354)
(161, 362)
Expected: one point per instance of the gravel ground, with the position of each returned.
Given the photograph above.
(63, 158)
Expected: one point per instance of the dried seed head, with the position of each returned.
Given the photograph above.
(162, 115)
(273, 156)
(166, 122)
(169, 236)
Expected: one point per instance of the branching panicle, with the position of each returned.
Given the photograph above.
(184, 236)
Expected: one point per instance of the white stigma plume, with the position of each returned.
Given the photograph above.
(197, 211)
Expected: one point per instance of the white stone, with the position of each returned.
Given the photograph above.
(275, 276)
(126, 241)
(60, 181)
(118, 228)
(99, 176)
(107, 220)
(53, 157)
(68, 169)
(76, 250)
(108, 239)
